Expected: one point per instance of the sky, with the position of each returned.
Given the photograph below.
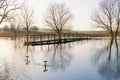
(81, 9)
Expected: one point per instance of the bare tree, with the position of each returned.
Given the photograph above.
(58, 17)
(14, 24)
(27, 16)
(107, 16)
(6, 7)
(117, 15)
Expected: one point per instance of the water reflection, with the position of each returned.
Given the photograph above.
(107, 59)
(45, 66)
(27, 61)
(49, 62)
(54, 57)
(59, 57)
(10, 66)
(4, 70)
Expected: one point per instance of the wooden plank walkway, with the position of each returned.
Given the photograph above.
(55, 41)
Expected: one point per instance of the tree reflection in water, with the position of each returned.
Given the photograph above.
(8, 69)
(14, 67)
(59, 57)
(107, 60)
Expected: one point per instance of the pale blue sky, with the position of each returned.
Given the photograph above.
(81, 9)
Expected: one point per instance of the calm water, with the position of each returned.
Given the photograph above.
(84, 60)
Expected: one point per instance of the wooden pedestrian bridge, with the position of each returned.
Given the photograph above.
(54, 41)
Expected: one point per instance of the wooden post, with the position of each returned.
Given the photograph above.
(45, 66)
(27, 60)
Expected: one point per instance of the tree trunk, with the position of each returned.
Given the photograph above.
(59, 35)
(111, 34)
(117, 49)
(27, 33)
(116, 33)
(110, 48)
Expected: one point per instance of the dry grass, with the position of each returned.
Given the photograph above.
(80, 34)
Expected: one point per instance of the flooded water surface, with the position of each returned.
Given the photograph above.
(83, 60)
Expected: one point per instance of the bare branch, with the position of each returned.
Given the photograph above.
(58, 17)
(108, 15)
(7, 6)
